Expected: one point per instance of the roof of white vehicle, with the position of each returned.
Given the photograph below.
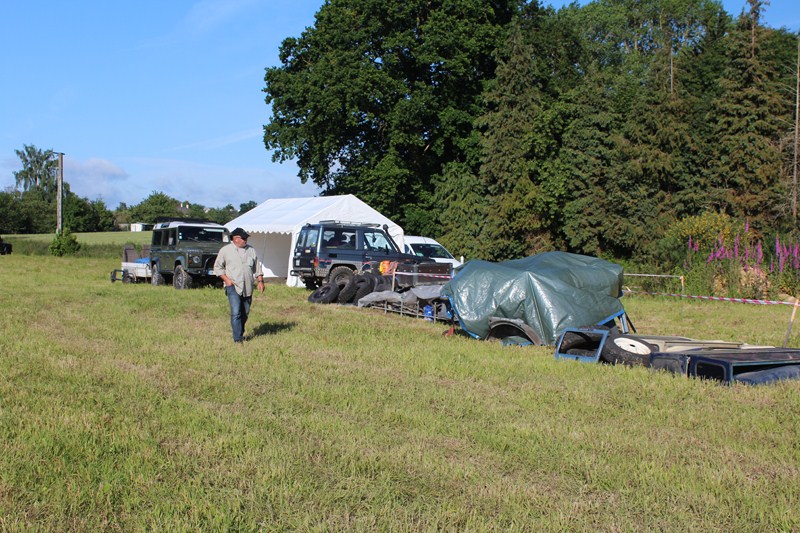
(416, 239)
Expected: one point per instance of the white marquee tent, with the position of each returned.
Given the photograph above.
(274, 225)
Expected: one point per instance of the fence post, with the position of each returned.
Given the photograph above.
(791, 321)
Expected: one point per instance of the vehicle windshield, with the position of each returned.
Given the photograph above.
(198, 234)
(433, 251)
(377, 241)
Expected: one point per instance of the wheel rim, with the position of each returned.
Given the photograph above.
(632, 345)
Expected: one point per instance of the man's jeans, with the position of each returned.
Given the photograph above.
(240, 308)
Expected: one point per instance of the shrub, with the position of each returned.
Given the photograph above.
(64, 243)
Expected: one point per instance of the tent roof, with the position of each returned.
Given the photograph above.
(287, 215)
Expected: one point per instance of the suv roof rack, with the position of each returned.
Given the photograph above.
(348, 223)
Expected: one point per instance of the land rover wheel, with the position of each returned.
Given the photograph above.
(181, 279)
(340, 275)
(157, 278)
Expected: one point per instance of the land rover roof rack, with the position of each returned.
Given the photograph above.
(185, 220)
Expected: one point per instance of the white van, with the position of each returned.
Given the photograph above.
(430, 248)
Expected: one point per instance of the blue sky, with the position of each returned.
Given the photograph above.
(161, 95)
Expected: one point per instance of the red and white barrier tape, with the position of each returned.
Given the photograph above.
(715, 298)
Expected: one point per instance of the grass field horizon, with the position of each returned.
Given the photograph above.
(127, 407)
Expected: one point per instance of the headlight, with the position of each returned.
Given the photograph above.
(195, 259)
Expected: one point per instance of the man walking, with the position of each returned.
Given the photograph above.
(238, 267)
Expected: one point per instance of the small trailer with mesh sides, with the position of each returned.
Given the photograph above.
(135, 266)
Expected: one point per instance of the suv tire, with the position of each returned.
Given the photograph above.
(181, 279)
(340, 274)
(347, 292)
(365, 283)
(157, 278)
(325, 294)
(383, 283)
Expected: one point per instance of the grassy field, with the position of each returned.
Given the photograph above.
(127, 407)
(101, 244)
(107, 237)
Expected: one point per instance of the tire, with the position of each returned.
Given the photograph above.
(580, 340)
(157, 278)
(181, 279)
(627, 350)
(325, 294)
(128, 278)
(340, 275)
(382, 283)
(581, 352)
(348, 292)
(365, 283)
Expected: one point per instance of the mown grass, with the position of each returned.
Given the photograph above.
(128, 407)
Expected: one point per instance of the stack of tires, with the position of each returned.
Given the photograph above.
(350, 289)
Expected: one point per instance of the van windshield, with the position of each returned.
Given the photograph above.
(433, 251)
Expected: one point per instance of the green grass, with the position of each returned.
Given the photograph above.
(128, 407)
(102, 237)
(97, 245)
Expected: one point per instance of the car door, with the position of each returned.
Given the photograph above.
(305, 251)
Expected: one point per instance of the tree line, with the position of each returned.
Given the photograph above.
(30, 206)
(506, 127)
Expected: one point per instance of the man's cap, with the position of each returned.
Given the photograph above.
(240, 232)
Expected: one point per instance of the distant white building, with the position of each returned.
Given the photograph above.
(141, 226)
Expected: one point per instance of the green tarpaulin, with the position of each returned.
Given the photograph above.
(549, 292)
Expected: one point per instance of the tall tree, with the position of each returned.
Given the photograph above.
(512, 225)
(746, 162)
(378, 96)
(39, 171)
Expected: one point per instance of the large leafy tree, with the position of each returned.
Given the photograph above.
(157, 205)
(83, 215)
(378, 96)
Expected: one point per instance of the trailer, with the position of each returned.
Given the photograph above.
(135, 266)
